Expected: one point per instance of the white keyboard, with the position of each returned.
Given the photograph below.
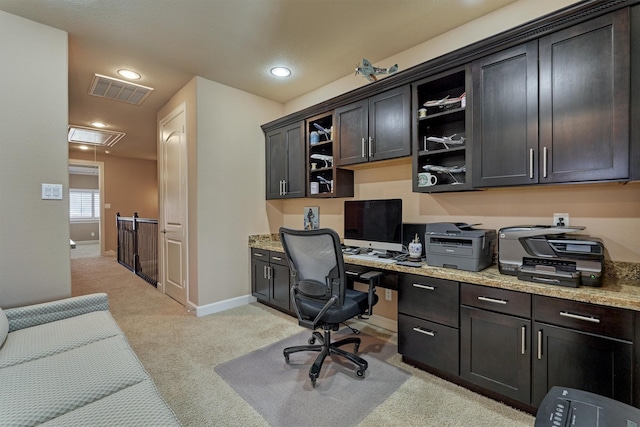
(371, 258)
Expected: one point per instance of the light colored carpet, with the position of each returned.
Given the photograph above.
(86, 250)
(181, 351)
(292, 399)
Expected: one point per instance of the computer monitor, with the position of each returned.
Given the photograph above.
(373, 224)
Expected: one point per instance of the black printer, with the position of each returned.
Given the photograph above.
(551, 254)
(459, 246)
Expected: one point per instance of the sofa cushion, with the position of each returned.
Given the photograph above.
(138, 405)
(44, 340)
(4, 327)
(43, 389)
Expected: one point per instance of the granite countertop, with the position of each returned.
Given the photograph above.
(620, 288)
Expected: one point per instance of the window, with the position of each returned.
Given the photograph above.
(84, 205)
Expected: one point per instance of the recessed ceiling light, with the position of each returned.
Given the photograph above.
(98, 124)
(128, 74)
(281, 71)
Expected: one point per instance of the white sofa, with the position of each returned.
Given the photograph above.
(67, 363)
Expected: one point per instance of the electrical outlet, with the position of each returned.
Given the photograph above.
(387, 294)
(561, 219)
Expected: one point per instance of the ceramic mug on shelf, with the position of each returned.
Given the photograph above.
(426, 179)
(315, 187)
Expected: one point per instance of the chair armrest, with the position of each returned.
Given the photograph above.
(373, 277)
(38, 314)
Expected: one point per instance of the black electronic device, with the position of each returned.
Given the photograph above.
(564, 407)
(373, 224)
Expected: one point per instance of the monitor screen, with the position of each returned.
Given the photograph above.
(375, 224)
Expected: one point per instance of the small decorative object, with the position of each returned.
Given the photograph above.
(415, 248)
(314, 166)
(312, 218)
(422, 113)
(426, 179)
(314, 187)
(314, 137)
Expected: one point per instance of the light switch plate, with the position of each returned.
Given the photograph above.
(51, 191)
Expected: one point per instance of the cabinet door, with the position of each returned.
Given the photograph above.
(280, 286)
(276, 155)
(295, 157)
(260, 279)
(584, 101)
(569, 358)
(390, 124)
(352, 133)
(495, 352)
(505, 126)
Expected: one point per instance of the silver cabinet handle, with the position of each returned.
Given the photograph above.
(523, 339)
(425, 331)
(530, 163)
(264, 271)
(540, 344)
(284, 187)
(591, 319)
(258, 254)
(370, 146)
(277, 258)
(269, 271)
(281, 190)
(427, 287)
(351, 273)
(544, 161)
(493, 300)
(363, 147)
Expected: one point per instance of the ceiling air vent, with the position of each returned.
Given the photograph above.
(84, 135)
(120, 90)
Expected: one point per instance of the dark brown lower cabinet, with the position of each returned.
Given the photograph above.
(495, 352)
(270, 278)
(584, 361)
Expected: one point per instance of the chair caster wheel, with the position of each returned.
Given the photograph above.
(312, 341)
(360, 373)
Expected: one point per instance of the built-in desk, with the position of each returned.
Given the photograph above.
(620, 289)
(513, 340)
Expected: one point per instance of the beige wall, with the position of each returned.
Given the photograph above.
(225, 185)
(34, 233)
(130, 185)
(609, 211)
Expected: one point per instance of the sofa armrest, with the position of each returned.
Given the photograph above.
(37, 314)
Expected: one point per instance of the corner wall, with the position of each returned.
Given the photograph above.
(34, 233)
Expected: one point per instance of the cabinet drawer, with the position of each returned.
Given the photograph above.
(429, 298)
(597, 319)
(429, 343)
(278, 258)
(261, 254)
(495, 299)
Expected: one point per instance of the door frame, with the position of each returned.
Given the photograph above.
(100, 166)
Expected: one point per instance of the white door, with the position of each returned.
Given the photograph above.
(173, 205)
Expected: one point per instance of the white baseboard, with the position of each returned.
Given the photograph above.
(219, 306)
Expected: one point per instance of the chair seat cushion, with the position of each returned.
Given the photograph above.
(355, 303)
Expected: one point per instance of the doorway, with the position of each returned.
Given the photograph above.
(87, 207)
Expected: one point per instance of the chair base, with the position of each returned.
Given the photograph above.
(326, 347)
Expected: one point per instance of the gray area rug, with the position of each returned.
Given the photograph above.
(282, 393)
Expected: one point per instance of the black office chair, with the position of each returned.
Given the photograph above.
(320, 295)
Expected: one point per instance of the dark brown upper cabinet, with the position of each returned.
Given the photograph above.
(376, 128)
(555, 109)
(285, 166)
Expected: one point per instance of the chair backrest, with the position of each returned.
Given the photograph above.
(316, 263)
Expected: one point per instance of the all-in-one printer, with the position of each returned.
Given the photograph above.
(546, 254)
(458, 245)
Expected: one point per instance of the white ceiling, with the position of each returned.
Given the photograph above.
(233, 42)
